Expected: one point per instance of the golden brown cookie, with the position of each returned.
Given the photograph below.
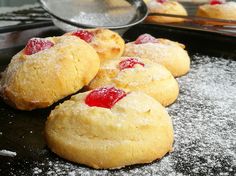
(47, 70)
(107, 128)
(136, 74)
(165, 52)
(218, 9)
(107, 43)
(165, 7)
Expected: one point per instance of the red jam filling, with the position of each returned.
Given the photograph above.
(35, 45)
(145, 38)
(105, 97)
(161, 1)
(84, 35)
(215, 2)
(129, 63)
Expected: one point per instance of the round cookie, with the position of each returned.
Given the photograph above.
(165, 7)
(47, 70)
(218, 9)
(107, 43)
(107, 128)
(165, 52)
(135, 74)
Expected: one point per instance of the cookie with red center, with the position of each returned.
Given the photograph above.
(165, 7)
(47, 70)
(137, 129)
(217, 9)
(35, 45)
(145, 38)
(161, 1)
(84, 35)
(136, 74)
(105, 97)
(214, 2)
(129, 63)
(165, 52)
(107, 43)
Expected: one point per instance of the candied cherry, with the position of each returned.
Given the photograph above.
(84, 35)
(129, 63)
(105, 97)
(145, 38)
(215, 2)
(35, 45)
(161, 1)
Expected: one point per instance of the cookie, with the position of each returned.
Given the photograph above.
(107, 43)
(108, 128)
(136, 74)
(165, 52)
(218, 9)
(47, 70)
(165, 7)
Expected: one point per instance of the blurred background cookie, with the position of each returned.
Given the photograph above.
(165, 52)
(47, 70)
(107, 43)
(166, 7)
(218, 9)
(136, 74)
(107, 128)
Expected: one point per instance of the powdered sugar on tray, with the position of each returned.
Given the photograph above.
(36, 170)
(204, 119)
(7, 153)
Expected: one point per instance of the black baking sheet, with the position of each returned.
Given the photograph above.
(204, 117)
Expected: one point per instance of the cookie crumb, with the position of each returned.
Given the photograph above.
(7, 153)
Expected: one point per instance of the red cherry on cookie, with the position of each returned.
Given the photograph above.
(105, 97)
(35, 45)
(129, 63)
(215, 2)
(161, 1)
(84, 35)
(145, 38)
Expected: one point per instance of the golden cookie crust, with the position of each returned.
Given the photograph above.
(152, 79)
(165, 52)
(168, 7)
(39, 80)
(136, 130)
(225, 11)
(107, 43)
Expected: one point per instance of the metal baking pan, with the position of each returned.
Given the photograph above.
(204, 116)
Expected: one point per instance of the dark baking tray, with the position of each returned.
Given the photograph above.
(204, 116)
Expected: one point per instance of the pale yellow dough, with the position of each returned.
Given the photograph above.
(39, 80)
(136, 130)
(165, 52)
(107, 43)
(225, 11)
(153, 79)
(168, 7)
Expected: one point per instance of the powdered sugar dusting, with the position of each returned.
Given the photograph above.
(37, 170)
(204, 118)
